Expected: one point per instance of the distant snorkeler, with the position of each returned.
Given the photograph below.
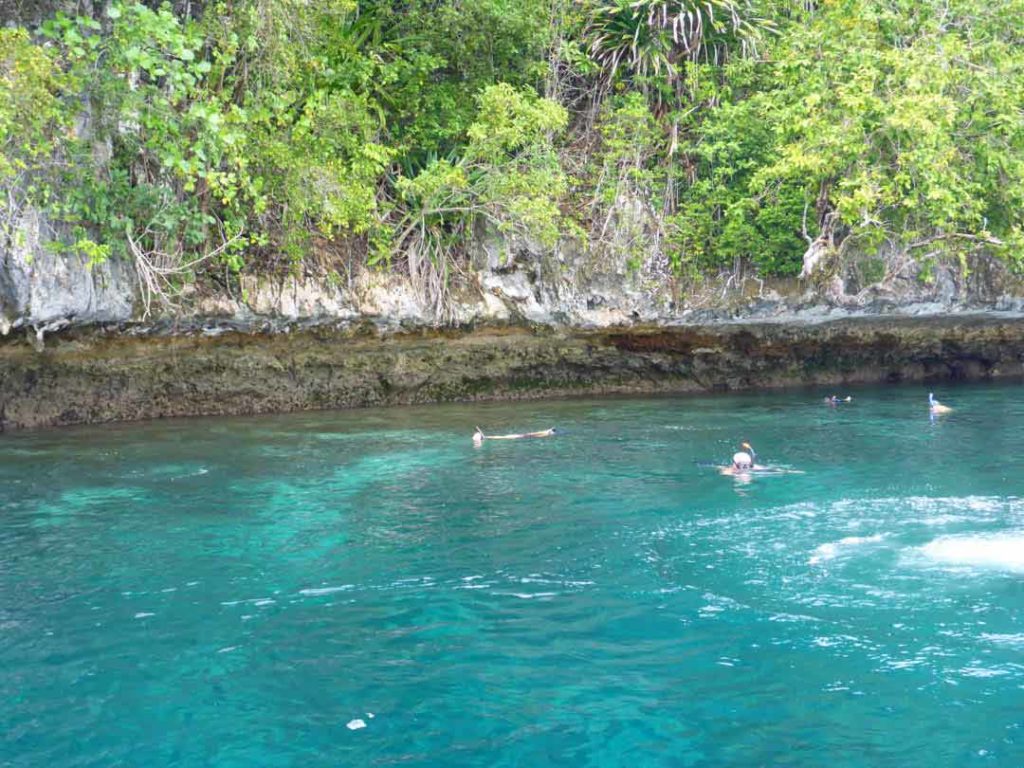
(935, 407)
(836, 400)
(479, 436)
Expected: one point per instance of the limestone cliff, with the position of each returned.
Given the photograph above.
(77, 346)
(43, 289)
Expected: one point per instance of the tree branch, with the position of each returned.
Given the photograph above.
(957, 236)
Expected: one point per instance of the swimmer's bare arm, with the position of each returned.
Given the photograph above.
(734, 471)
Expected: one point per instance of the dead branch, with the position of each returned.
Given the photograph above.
(157, 271)
(957, 236)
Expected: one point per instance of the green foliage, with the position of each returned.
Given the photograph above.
(626, 180)
(177, 174)
(34, 122)
(908, 124)
(891, 120)
(719, 219)
(31, 113)
(649, 37)
(266, 129)
(631, 143)
(650, 41)
(509, 172)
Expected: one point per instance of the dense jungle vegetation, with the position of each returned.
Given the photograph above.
(691, 135)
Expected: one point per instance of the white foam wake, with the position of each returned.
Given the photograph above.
(1001, 551)
(834, 548)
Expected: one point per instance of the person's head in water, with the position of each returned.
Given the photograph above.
(744, 459)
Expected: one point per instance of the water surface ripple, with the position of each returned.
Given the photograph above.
(367, 588)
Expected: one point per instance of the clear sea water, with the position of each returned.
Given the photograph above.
(368, 589)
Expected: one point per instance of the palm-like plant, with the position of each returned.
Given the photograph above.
(650, 37)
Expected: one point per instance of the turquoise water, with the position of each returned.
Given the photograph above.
(367, 588)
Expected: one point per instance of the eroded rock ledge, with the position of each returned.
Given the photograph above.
(90, 375)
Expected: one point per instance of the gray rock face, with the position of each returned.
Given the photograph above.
(507, 282)
(43, 289)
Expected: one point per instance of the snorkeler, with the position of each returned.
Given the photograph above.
(935, 407)
(479, 436)
(744, 465)
(836, 400)
(742, 461)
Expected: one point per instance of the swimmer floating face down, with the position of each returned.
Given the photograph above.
(836, 399)
(479, 436)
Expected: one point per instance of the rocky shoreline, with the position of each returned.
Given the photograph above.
(92, 375)
(79, 344)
